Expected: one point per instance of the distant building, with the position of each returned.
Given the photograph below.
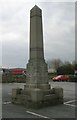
(18, 71)
(51, 71)
(13, 71)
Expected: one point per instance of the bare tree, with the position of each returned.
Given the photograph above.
(54, 63)
(67, 63)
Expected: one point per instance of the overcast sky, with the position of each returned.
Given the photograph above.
(58, 31)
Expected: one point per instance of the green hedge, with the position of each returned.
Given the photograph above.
(13, 78)
(73, 78)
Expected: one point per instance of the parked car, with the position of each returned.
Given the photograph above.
(61, 78)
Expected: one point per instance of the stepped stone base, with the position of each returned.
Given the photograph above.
(37, 98)
(37, 92)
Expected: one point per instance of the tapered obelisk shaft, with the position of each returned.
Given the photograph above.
(37, 74)
(36, 33)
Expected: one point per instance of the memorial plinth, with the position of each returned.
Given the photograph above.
(37, 91)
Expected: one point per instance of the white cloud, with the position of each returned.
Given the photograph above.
(58, 28)
(60, 32)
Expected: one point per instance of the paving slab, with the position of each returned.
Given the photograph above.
(67, 110)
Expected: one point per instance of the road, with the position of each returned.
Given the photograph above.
(66, 110)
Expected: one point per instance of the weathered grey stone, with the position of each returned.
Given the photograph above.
(16, 91)
(36, 95)
(50, 97)
(37, 73)
(58, 91)
(37, 92)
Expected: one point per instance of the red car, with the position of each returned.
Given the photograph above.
(61, 78)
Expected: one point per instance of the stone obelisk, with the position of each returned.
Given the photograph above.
(37, 91)
(37, 74)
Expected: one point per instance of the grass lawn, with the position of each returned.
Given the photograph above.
(50, 76)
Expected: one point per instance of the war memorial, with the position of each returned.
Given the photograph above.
(37, 91)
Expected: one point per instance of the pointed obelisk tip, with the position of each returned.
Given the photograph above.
(35, 11)
(36, 6)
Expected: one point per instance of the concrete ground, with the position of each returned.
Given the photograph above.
(66, 110)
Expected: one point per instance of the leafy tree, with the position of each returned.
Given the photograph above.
(66, 69)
